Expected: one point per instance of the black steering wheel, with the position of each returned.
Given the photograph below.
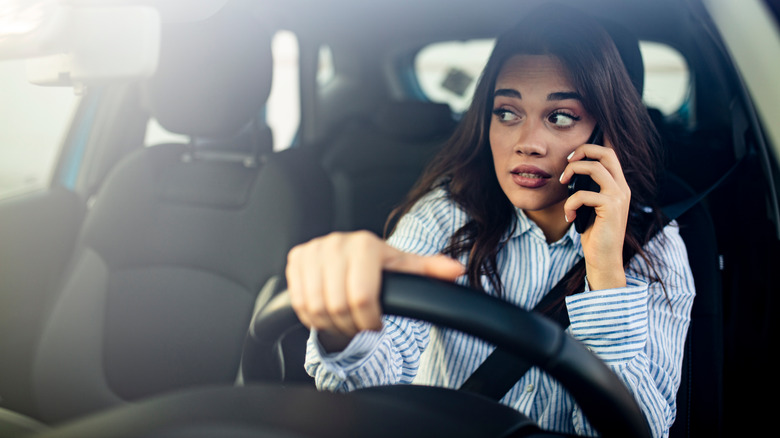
(604, 399)
(282, 410)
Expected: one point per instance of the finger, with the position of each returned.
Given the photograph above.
(605, 205)
(577, 200)
(364, 277)
(603, 154)
(335, 289)
(595, 170)
(294, 289)
(437, 266)
(442, 267)
(311, 280)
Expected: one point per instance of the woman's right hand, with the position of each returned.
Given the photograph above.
(334, 282)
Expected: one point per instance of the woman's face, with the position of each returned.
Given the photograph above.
(538, 120)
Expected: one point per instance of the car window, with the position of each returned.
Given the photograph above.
(326, 70)
(283, 111)
(447, 72)
(667, 77)
(33, 123)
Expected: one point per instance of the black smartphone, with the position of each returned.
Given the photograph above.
(585, 182)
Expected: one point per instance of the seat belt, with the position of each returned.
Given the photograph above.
(501, 370)
(675, 210)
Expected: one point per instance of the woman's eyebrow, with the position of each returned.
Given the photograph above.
(564, 95)
(559, 95)
(507, 92)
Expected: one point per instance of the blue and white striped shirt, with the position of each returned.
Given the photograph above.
(638, 330)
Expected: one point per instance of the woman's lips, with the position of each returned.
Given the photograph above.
(529, 176)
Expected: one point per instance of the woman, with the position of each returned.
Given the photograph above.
(493, 211)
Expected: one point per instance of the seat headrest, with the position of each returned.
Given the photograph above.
(214, 76)
(414, 120)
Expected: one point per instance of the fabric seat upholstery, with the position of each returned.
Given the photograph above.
(181, 237)
(373, 162)
(700, 396)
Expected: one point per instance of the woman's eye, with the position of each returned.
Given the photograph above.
(504, 115)
(562, 120)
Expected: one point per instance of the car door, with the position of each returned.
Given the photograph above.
(751, 37)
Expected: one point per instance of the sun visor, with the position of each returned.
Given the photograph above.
(96, 44)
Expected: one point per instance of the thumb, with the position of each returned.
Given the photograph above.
(436, 266)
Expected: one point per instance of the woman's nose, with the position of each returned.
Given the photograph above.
(531, 141)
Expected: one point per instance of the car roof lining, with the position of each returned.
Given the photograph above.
(437, 19)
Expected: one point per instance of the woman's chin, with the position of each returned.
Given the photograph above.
(532, 202)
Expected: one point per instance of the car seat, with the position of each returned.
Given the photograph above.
(179, 240)
(14, 425)
(700, 396)
(374, 161)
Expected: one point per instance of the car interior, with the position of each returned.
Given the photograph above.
(141, 277)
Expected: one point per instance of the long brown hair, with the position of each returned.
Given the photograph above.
(465, 162)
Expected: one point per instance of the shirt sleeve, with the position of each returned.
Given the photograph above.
(640, 330)
(387, 357)
(391, 355)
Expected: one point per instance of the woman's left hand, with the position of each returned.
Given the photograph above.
(602, 242)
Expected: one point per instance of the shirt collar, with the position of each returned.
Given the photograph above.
(523, 225)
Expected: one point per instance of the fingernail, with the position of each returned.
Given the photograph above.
(566, 218)
(560, 180)
(570, 155)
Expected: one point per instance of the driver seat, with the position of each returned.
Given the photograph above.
(700, 396)
(178, 243)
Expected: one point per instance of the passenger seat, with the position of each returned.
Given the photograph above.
(180, 238)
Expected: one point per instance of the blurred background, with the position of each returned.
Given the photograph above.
(33, 119)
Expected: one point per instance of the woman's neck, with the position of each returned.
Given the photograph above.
(551, 221)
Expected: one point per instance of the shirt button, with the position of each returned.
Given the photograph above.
(529, 387)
